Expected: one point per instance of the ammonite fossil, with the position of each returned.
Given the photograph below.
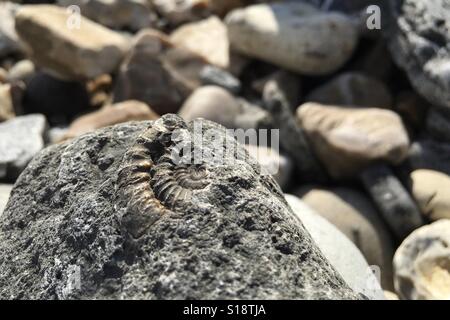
(154, 181)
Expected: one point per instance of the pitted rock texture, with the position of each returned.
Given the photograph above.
(111, 215)
(418, 38)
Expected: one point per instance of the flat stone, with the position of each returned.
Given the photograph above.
(208, 38)
(103, 215)
(390, 295)
(353, 89)
(117, 14)
(431, 190)
(110, 115)
(274, 163)
(293, 35)
(9, 41)
(347, 140)
(418, 37)
(421, 263)
(6, 103)
(5, 190)
(69, 53)
(170, 73)
(394, 202)
(339, 250)
(354, 215)
(21, 139)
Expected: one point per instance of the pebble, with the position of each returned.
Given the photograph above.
(6, 103)
(353, 89)
(117, 14)
(9, 41)
(23, 70)
(21, 139)
(293, 35)
(181, 11)
(418, 37)
(431, 190)
(211, 103)
(110, 115)
(211, 75)
(274, 163)
(339, 250)
(170, 73)
(5, 190)
(79, 53)
(394, 202)
(430, 154)
(347, 140)
(291, 136)
(438, 125)
(354, 215)
(57, 99)
(422, 263)
(208, 38)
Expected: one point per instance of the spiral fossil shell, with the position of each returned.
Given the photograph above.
(149, 180)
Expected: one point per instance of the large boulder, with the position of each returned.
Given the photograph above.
(123, 213)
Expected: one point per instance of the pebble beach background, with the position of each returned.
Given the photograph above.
(359, 91)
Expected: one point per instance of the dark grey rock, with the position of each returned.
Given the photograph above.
(59, 100)
(429, 154)
(21, 139)
(438, 126)
(292, 137)
(393, 201)
(110, 215)
(418, 39)
(211, 75)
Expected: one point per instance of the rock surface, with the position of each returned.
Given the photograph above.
(349, 139)
(431, 190)
(170, 73)
(418, 36)
(117, 14)
(339, 250)
(278, 165)
(422, 263)
(5, 191)
(295, 36)
(181, 11)
(356, 217)
(69, 53)
(109, 223)
(207, 38)
(110, 115)
(21, 139)
(353, 89)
